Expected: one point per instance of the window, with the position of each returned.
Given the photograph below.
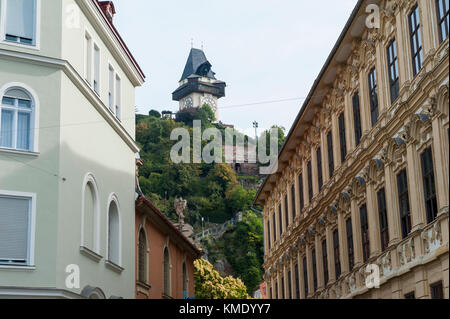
(410, 295)
(16, 227)
(403, 199)
(319, 168)
(325, 261)
(357, 118)
(118, 97)
(96, 69)
(314, 269)
(297, 282)
(289, 285)
(114, 233)
(286, 210)
(282, 288)
(274, 227)
(415, 37)
(373, 96)
(342, 137)
(365, 232)
(16, 120)
(382, 213)
(185, 281)
(142, 257)
(442, 9)
(330, 154)
(276, 290)
(310, 184)
(351, 259)
(268, 235)
(305, 277)
(280, 215)
(337, 261)
(90, 215)
(20, 24)
(429, 186)
(111, 89)
(88, 58)
(300, 192)
(394, 84)
(167, 281)
(436, 291)
(294, 210)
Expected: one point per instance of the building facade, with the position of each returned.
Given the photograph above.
(164, 256)
(67, 151)
(361, 191)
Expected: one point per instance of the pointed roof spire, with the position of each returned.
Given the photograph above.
(197, 64)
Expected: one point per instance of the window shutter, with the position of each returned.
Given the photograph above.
(20, 18)
(14, 219)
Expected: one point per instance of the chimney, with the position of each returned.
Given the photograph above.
(108, 9)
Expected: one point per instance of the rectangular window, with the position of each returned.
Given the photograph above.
(342, 137)
(276, 290)
(297, 282)
(337, 260)
(394, 84)
(286, 211)
(118, 97)
(410, 295)
(20, 21)
(351, 259)
(88, 59)
(289, 285)
(15, 229)
(357, 118)
(373, 96)
(294, 210)
(300, 192)
(310, 184)
(429, 186)
(268, 235)
(96, 69)
(280, 215)
(274, 227)
(319, 168)
(415, 38)
(111, 89)
(437, 291)
(325, 261)
(330, 154)
(282, 288)
(403, 200)
(314, 264)
(305, 277)
(442, 9)
(382, 213)
(365, 232)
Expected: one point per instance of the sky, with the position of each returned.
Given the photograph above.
(265, 50)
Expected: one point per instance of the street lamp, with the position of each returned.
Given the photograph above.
(255, 126)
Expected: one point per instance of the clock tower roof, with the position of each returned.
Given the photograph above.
(197, 64)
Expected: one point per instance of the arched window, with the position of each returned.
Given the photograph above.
(16, 120)
(166, 285)
(90, 215)
(114, 232)
(142, 257)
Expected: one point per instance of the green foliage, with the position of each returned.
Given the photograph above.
(154, 113)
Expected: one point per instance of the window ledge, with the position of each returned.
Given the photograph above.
(143, 285)
(19, 152)
(21, 45)
(114, 267)
(17, 267)
(90, 254)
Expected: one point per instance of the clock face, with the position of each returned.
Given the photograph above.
(210, 101)
(188, 102)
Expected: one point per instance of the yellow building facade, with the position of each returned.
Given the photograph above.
(358, 207)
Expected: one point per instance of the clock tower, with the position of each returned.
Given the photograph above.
(198, 85)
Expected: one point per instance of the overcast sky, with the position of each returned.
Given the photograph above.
(265, 50)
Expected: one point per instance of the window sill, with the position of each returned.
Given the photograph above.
(143, 285)
(17, 267)
(21, 45)
(114, 267)
(90, 254)
(19, 152)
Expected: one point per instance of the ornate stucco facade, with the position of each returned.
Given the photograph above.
(363, 175)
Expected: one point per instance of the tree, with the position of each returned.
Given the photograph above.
(210, 285)
(154, 113)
